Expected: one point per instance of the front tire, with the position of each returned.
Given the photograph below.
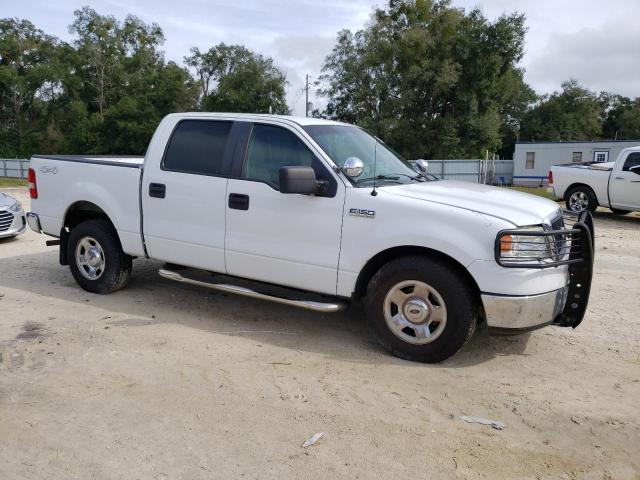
(96, 259)
(581, 198)
(421, 309)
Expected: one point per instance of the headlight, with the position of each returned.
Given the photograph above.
(16, 207)
(525, 246)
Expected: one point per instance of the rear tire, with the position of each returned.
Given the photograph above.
(96, 259)
(581, 198)
(421, 309)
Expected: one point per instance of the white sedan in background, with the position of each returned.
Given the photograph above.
(12, 217)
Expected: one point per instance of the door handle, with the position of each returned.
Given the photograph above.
(619, 178)
(238, 201)
(157, 190)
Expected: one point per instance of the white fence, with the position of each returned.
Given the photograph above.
(14, 168)
(491, 172)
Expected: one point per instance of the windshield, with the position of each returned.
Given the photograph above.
(343, 141)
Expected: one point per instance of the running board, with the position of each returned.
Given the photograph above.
(323, 307)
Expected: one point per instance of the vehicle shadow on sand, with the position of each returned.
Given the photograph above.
(150, 300)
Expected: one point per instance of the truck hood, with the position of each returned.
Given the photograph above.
(6, 200)
(516, 207)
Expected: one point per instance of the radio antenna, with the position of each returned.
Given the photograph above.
(375, 161)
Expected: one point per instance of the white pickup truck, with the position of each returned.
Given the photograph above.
(328, 211)
(585, 186)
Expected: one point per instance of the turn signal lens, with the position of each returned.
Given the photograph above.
(506, 242)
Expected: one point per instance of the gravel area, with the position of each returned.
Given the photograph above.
(170, 381)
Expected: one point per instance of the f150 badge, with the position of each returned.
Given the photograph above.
(362, 212)
(44, 169)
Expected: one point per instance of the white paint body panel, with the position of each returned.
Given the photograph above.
(613, 187)
(300, 241)
(291, 240)
(112, 188)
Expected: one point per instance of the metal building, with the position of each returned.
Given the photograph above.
(532, 160)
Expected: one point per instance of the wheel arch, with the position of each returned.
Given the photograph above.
(78, 212)
(578, 184)
(390, 254)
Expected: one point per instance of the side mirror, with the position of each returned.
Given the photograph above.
(422, 166)
(300, 180)
(353, 167)
(635, 169)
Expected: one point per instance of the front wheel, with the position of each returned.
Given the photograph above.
(96, 259)
(421, 309)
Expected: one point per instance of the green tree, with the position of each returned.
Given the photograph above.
(574, 113)
(622, 117)
(234, 79)
(28, 79)
(432, 80)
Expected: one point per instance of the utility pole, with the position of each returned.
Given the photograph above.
(306, 89)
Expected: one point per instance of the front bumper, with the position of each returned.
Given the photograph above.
(564, 307)
(519, 314)
(12, 227)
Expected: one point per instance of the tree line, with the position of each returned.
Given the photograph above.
(432, 80)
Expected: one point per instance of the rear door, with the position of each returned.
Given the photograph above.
(624, 187)
(183, 195)
(286, 239)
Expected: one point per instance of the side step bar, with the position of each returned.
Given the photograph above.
(247, 292)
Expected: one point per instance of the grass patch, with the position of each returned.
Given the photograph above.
(539, 191)
(12, 182)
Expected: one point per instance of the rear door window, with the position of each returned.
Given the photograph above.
(197, 146)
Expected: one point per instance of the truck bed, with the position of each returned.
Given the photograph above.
(109, 183)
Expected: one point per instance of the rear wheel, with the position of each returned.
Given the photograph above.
(581, 198)
(420, 309)
(96, 259)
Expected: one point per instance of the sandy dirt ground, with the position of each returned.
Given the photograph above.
(169, 381)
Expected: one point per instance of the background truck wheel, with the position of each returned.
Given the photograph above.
(619, 212)
(96, 258)
(581, 198)
(420, 309)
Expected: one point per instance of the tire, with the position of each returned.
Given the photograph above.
(449, 299)
(617, 211)
(94, 241)
(581, 198)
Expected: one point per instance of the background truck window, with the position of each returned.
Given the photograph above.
(197, 146)
(633, 160)
(531, 160)
(577, 157)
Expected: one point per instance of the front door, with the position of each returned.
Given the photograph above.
(286, 239)
(624, 188)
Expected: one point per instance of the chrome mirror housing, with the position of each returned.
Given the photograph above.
(421, 165)
(353, 167)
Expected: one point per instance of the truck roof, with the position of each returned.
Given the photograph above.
(302, 121)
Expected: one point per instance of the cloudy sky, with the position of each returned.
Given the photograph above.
(595, 41)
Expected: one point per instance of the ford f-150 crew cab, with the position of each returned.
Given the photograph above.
(584, 186)
(327, 211)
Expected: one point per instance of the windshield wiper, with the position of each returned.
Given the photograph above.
(391, 176)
